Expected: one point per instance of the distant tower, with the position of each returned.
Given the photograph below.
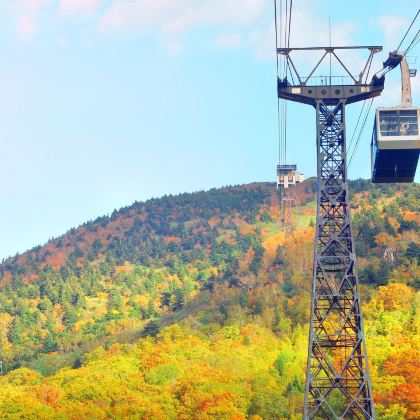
(287, 175)
(287, 178)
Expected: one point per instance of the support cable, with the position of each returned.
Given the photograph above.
(290, 22)
(408, 30)
(360, 133)
(283, 25)
(277, 40)
(285, 112)
(413, 43)
(286, 16)
(357, 126)
(284, 108)
(278, 73)
(387, 68)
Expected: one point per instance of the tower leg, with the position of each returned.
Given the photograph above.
(338, 383)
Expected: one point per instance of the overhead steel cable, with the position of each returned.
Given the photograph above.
(277, 40)
(285, 112)
(357, 126)
(392, 64)
(286, 16)
(360, 133)
(277, 64)
(283, 25)
(408, 30)
(413, 43)
(290, 22)
(283, 102)
(278, 14)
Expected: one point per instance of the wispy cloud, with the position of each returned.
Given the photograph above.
(229, 40)
(308, 29)
(230, 21)
(29, 13)
(178, 16)
(80, 8)
(393, 28)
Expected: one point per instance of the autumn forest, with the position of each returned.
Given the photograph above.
(196, 306)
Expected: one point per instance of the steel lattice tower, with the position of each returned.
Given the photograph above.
(337, 381)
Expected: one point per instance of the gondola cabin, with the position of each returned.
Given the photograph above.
(395, 144)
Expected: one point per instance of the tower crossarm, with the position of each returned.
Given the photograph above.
(329, 89)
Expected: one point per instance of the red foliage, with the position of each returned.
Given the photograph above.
(406, 364)
(407, 395)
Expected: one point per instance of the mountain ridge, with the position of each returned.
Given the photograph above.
(56, 244)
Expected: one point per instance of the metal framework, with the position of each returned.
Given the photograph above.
(287, 202)
(287, 179)
(337, 380)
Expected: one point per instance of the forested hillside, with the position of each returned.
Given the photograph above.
(196, 307)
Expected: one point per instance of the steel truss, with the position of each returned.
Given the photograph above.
(337, 381)
(287, 202)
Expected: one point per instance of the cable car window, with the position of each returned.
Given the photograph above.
(409, 123)
(388, 123)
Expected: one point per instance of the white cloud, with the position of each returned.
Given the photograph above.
(228, 40)
(262, 41)
(141, 15)
(233, 23)
(174, 47)
(310, 29)
(79, 8)
(394, 28)
(29, 13)
(174, 17)
(391, 95)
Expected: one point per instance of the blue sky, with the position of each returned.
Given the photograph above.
(105, 102)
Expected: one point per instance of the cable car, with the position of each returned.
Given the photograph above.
(396, 139)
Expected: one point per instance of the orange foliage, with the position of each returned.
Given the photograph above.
(171, 239)
(49, 395)
(299, 249)
(405, 363)
(395, 296)
(214, 401)
(123, 268)
(214, 221)
(384, 239)
(271, 244)
(274, 211)
(394, 223)
(246, 229)
(246, 261)
(411, 216)
(7, 278)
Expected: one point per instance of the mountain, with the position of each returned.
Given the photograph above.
(196, 306)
